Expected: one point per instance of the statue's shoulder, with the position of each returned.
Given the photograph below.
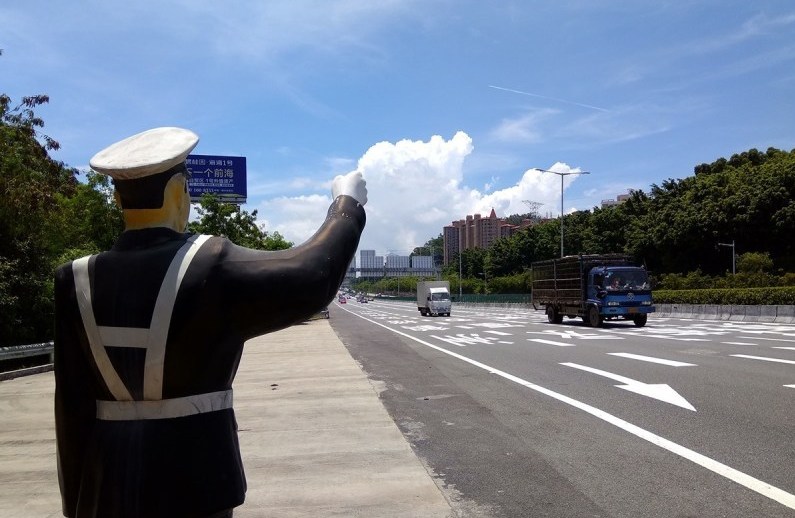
(64, 271)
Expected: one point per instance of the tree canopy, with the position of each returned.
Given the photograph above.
(239, 226)
(46, 217)
(676, 226)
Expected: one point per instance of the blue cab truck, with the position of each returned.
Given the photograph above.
(593, 287)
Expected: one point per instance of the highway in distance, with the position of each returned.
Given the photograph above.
(517, 417)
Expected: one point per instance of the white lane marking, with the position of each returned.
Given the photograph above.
(498, 333)
(651, 359)
(787, 348)
(579, 336)
(669, 337)
(790, 386)
(464, 340)
(658, 391)
(738, 343)
(754, 484)
(550, 342)
(763, 358)
(771, 339)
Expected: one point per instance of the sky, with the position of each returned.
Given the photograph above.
(447, 107)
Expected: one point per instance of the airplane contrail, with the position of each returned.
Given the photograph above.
(549, 98)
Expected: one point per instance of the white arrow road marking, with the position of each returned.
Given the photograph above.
(754, 484)
(764, 358)
(651, 359)
(657, 391)
(550, 342)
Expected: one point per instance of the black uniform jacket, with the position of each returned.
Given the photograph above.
(183, 466)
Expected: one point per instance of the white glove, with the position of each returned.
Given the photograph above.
(352, 184)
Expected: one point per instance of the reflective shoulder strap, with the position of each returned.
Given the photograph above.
(161, 317)
(106, 369)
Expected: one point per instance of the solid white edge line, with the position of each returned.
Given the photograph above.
(754, 484)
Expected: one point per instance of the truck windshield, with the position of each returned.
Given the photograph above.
(635, 279)
(440, 296)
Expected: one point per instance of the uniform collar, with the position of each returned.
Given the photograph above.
(147, 238)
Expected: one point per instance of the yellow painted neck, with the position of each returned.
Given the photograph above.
(173, 214)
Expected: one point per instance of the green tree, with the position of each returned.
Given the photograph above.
(31, 184)
(239, 226)
(433, 247)
(86, 222)
(754, 262)
(46, 217)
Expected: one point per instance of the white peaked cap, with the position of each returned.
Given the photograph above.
(150, 152)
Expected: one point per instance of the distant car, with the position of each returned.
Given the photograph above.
(362, 299)
(342, 299)
(324, 312)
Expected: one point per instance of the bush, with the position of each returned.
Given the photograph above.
(730, 296)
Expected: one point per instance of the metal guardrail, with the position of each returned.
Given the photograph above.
(25, 351)
(16, 352)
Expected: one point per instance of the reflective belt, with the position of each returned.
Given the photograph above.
(153, 339)
(165, 408)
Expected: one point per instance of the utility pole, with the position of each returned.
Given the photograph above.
(459, 273)
(734, 256)
(561, 197)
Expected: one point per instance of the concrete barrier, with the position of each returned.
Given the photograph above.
(752, 313)
(710, 311)
(724, 312)
(767, 313)
(785, 314)
(738, 313)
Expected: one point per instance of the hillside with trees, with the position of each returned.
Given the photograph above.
(675, 227)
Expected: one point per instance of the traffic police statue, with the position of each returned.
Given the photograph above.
(149, 336)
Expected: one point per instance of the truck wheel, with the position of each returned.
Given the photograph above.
(553, 316)
(640, 320)
(594, 318)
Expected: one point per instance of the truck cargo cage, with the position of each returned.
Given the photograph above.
(564, 279)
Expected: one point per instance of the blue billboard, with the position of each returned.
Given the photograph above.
(224, 176)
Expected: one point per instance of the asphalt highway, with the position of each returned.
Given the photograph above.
(515, 416)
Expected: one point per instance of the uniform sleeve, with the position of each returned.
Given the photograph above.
(75, 403)
(272, 290)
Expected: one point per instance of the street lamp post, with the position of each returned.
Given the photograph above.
(734, 269)
(561, 197)
(459, 274)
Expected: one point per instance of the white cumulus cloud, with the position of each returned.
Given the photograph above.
(415, 188)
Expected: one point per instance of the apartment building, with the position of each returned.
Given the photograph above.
(476, 231)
